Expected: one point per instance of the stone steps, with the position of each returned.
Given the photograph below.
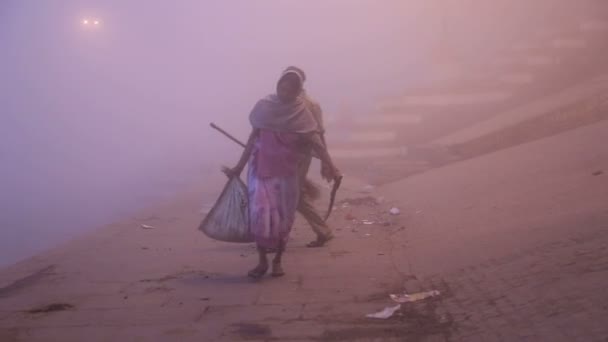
(521, 72)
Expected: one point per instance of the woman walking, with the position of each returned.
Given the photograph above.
(284, 133)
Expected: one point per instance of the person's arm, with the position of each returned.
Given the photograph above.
(238, 169)
(324, 166)
(317, 113)
(329, 171)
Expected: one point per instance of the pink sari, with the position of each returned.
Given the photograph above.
(273, 187)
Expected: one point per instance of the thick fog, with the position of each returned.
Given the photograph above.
(100, 118)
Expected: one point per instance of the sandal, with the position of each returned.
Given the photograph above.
(319, 242)
(258, 272)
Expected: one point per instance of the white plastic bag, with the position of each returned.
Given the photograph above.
(228, 220)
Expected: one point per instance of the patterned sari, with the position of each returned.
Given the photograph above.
(274, 185)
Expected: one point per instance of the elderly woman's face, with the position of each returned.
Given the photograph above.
(288, 88)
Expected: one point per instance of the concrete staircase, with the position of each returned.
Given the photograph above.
(403, 129)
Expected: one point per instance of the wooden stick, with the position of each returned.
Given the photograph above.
(214, 126)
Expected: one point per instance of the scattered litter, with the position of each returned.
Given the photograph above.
(387, 313)
(349, 217)
(345, 205)
(368, 188)
(368, 234)
(395, 211)
(598, 172)
(52, 308)
(145, 226)
(366, 222)
(407, 298)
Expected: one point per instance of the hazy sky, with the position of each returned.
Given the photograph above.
(96, 117)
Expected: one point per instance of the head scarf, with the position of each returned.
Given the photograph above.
(296, 70)
(294, 117)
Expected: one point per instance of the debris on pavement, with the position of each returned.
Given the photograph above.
(145, 226)
(368, 188)
(387, 313)
(367, 222)
(349, 217)
(408, 298)
(598, 173)
(395, 211)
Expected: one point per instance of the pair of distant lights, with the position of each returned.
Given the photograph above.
(91, 22)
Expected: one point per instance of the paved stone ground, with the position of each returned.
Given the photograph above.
(515, 241)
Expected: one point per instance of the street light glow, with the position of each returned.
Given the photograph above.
(88, 22)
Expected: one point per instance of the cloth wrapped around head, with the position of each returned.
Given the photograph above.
(294, 116)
